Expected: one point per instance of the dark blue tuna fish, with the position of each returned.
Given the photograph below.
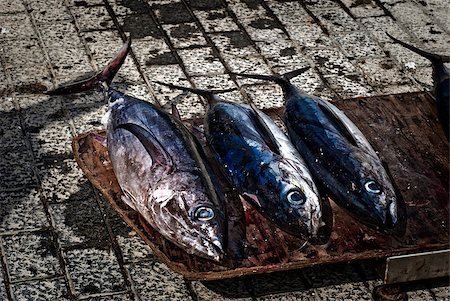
(160, 168)
(441, 80)
(261, 163)
(338, 155)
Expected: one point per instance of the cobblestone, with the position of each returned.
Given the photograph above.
(58, 239)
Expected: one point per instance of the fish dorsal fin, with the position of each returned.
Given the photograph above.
(175, 112)
(266, 134)
(337, 121)
(151, 145)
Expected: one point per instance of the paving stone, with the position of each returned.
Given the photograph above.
(61, 179)
(52, 140)
(23, 53)
(92, 18)
(88, 119)
(347, 292)
(319, 4)
(30, 256)
(121, 297)
(216, 20)
(419, 295)
(441, 293)
(308, 295)
(11, 6)
(50, 11)
(140, 26)
(336, 20)
(3, 294)
(358, 44)
(309, 35)
(408, 13)
(16, 167)
(124, 7)
(10, 129)
(80, 221)
(165, 14)
(394, 89)
(265, 30)
(219, 82)
(254, 65)
(379, 26)
(21, 210)
(94, 271)
(247, 10)
(16, 26)
(154, 52)
(205, 294)
(85, 3)
(381, 71)
(133, 248)
(154, 281)
(432, 36)
(42, 290)
(200, 61)
(404, 56)
(4, 86)
(349, 85)
(309, 81)
(185, 35)
(265, 96)
(361, 9)
(234, 43)
(331, 61)
(30, 79)
(291, 13)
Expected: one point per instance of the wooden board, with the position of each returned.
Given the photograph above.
(404, 130)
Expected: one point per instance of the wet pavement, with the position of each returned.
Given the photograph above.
(59, 239)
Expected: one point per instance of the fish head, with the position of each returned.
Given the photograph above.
(300, 194)
(291, 199)
(188, 217)
(377, 195)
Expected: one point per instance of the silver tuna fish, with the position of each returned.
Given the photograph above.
(262, 164)
(160, 168)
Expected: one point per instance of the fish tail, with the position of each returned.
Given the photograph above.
(208, 94)
(434, 58)
(279, 79)
(102, 79)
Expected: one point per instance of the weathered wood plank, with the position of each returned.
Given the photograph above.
(404, 130)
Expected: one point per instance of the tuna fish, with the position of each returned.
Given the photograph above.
(261, 164)
(160, 168)
(441, 79)
(339, 156)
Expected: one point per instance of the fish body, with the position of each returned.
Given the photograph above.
(160, 168)
(339, 156)
(261, 164)
(441, 82)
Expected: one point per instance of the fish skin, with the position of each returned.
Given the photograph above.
(159, 166)
(167, 200)
(339, 156)
(441, 81)
(259, 172)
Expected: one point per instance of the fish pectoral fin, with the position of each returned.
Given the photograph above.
(267, 135)
(251, 198)
(151, 145)
(338, 123)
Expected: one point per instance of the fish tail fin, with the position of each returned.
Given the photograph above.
(282, 80)
(290, 75)
(434, 58)
(208, 94)
(101, 79)
(273, 78)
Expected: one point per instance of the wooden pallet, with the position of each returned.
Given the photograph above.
(403, 128)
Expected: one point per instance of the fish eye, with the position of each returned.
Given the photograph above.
(204, 213)
(372, 187)
(296, 198)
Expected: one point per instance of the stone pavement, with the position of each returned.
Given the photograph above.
(59, 240)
